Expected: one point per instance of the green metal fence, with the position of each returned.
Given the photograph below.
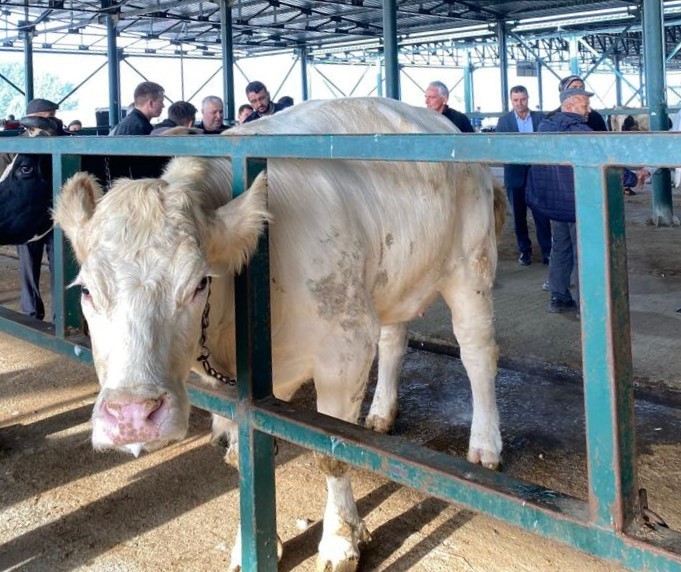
(608, 525)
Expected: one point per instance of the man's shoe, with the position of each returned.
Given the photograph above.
(545, 286)
(557, 306)
(525, 259)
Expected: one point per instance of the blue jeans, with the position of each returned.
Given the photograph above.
(30, 260)
(563, 260)
(516, 197)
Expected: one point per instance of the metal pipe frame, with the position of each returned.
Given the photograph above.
(608, 525)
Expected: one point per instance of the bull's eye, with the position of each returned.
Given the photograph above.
(85, 291)
(25, 170)
(202, 285)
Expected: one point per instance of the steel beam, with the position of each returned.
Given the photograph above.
(114, 60)
(303, 55)
(392, 69)
(503, 63)
(656, 96)
(227, 60)
(27, 36)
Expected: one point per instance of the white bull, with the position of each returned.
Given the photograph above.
(358, 248)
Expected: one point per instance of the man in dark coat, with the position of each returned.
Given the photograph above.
(551, 191)
(148, 103)
(522, 120)
(595, 120)
(437, 97)
(260, 100)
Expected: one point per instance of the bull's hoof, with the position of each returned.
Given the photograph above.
(338, 553)
(379, 424)
(232, 457)
(487, 459)
(343, 566)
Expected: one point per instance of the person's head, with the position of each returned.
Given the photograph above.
(519, 100)
(576, 101)
(571, 82)
(182, 113)
(148, 98)
(10, 117)
(437, 96)
(41, 108)
(74, 126)
(212, 113)
(285, 101)
(244, 111)
(258, 96)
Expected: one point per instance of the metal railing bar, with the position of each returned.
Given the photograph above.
(658, 149)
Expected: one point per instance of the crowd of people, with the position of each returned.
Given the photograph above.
(148, 104)
(547, 191)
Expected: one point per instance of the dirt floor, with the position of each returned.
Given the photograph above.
(64, 507)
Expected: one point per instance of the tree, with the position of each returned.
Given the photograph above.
(47, 85)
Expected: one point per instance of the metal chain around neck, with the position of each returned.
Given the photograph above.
(205, 352)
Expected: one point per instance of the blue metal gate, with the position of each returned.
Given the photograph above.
(609, 525)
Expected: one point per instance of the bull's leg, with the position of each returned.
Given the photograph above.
(340, 379)
(226, 434)
(469, 296)
(391, 347)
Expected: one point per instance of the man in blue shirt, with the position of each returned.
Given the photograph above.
(522, 120)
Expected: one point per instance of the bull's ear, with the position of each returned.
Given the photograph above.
(74, 208)
(236, 226)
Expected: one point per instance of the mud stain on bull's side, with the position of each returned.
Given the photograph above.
(338, 293)
(382, 278)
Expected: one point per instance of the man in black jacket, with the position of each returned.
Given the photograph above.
(522, 120)
(148, 104)
(437, 96)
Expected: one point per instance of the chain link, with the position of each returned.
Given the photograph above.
(205, 352)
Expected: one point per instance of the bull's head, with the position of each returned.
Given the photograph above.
(146, 250)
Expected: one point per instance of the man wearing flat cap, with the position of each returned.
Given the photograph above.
(41, 108)
(551, 191)
(595, 119)
(40, 115)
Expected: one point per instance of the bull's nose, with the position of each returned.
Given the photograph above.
(133, 421)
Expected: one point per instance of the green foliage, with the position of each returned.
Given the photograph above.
(47, 86)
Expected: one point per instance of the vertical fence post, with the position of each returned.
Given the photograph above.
(65, 301)
(606, 347)
(254, 376)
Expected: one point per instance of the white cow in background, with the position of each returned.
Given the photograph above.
(358, 248)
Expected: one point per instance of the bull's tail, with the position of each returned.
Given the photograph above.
(499, 207)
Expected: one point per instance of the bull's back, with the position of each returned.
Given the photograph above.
(389, 231)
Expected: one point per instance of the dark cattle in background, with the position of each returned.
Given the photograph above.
(26, 199)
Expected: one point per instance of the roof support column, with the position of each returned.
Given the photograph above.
(653, 38)
(113, 56)
(574, 55)
(304, 89)
(540, 84)
(618, 80)
(468, 91)
(28, 62)
(503, 64)
(392, 69)
(227, 59)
